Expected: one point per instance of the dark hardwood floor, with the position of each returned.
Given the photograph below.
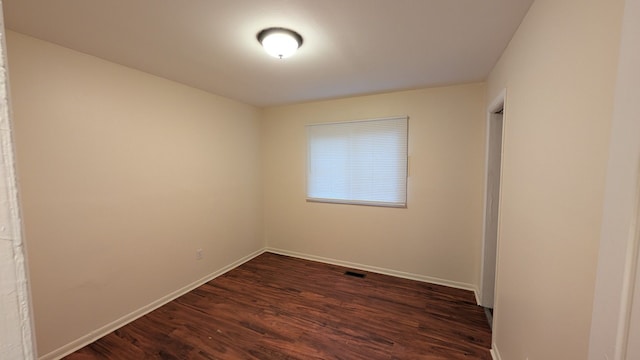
(278, 307)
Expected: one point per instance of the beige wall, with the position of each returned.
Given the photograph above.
(559, 71)
(620, 235)
(438, 236)
(124, 175)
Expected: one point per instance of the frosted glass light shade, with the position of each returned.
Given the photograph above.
(280, 42)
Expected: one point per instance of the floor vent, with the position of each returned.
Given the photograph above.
(355, 274)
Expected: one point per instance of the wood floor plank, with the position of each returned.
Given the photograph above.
(276, 307)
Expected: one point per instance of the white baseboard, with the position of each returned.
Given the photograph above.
(98, 333)
(400, 274)
(495, 354)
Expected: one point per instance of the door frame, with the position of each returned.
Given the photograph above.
(17, 327)
(487, 297)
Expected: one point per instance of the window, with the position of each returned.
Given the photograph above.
(358, 162)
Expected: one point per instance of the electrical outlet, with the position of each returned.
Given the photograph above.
(199, 254)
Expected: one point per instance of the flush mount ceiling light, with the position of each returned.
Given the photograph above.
(279, 42)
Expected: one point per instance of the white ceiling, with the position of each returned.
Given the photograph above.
(351, 47)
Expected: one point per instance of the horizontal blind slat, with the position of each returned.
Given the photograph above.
(361, 162)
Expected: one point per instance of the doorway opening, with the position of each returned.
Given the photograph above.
(493, 174)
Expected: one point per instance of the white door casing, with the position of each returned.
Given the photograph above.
(16, 328)
(495, 124)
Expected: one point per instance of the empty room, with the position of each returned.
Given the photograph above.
(302, 179)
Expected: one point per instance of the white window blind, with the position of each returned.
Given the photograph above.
(359, 162)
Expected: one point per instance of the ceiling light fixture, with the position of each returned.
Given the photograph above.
(279, 42)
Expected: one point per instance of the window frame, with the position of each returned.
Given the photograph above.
(405, 160)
